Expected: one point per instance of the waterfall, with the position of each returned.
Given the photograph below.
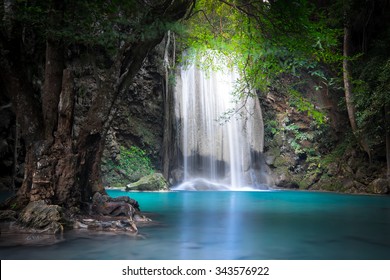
(220, 138)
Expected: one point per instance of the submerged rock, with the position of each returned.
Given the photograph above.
(153, 182)
(118, 214)
(111, 225)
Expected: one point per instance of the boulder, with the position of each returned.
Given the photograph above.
(285, 181)
(121, 206)
(40, 217)
(379, 186)
(153, 182)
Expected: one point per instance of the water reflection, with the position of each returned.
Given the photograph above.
(235, 225)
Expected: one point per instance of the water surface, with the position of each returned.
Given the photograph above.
(236, 225)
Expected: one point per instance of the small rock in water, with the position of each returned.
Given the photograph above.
(153, 182)
(78, 225)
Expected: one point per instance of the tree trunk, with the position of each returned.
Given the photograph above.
(52, 164)
(93, 132)
(66, 191)
(60, 168)
(29, 115)
(347, 74)
(347, 80)
(52, 86)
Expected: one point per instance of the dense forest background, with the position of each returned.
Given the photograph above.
(85, 83)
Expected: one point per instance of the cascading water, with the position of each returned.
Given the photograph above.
(221, 140)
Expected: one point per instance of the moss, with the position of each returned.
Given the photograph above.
(283, 161)
(132, 164)
(327, 183)
(117, 185)
(152, 182)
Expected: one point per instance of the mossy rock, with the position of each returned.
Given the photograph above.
(271, 155)
(284, 160)
(327, 183)
(152, 182)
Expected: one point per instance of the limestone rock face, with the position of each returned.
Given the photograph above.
(153, 182)
(41, 217)
(137, 121)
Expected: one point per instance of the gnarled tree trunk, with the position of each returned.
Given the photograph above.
(62, 168)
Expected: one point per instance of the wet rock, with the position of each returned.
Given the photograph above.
(177, 175)
(287, 185)
(118, 214)
(153, 182)
(104, 224)
(8, 215)
(360, 187)
(379, 186)
(121, 206)
(270, 159)
(41, 217)
(141, 218)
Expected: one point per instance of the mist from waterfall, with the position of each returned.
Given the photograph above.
(220, 136)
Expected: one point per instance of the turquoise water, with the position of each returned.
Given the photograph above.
(236, 225)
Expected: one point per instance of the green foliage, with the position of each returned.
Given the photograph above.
(264, 40)
(91, 23)
(308, 143)
(337, 153)
(372, 90)
(297, 137)
(130, 166)
(303, 105)
(135, 161)
(271, 128)
(172, 79)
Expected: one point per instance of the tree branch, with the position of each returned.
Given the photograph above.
(205, 15)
